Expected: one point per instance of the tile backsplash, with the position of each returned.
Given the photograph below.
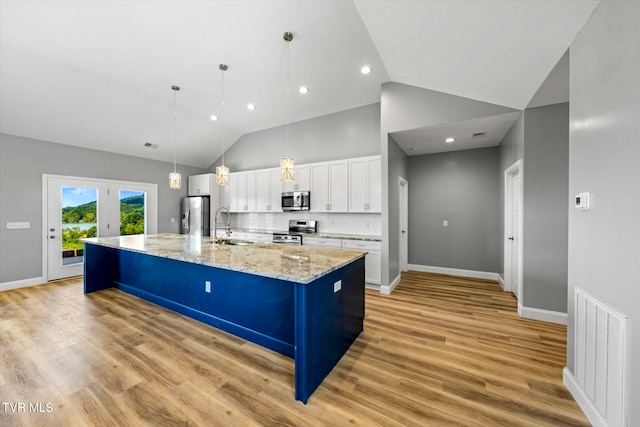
(368, 224)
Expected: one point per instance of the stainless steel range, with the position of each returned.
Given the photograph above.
(296, 230)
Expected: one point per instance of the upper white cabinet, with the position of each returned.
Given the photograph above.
(329, 189)
(243, 192)
(302, 179)
(365, 182)
(350, 185)
(268, 191)
(200, 185)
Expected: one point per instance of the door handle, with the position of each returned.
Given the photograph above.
(511, 238)
(52, 237)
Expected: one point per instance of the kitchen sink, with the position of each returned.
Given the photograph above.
(234, 242)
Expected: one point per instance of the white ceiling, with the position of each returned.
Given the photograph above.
(98, 74)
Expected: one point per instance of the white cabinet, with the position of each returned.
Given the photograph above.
(242, 190)
(365, 184)
(200, 185)
(302, 179)
(320, 241)
(372, 261)
(259, 237)
(268, 191)
(227, 192)
(329, 186)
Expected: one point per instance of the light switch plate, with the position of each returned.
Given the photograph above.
(445, 223)
(18, 225)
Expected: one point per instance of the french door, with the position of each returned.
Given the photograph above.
(78, 208)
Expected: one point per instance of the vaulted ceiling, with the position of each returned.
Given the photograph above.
(99, 74)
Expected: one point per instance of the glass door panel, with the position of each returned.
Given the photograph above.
(132, 212)
(79, 220)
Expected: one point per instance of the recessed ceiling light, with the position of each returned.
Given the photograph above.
(214, 117)
(449, 140)
(365, 70)
(303, 89)
(251, 106)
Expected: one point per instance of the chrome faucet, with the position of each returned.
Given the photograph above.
(226, 226)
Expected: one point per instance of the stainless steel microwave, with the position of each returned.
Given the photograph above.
(296, 201)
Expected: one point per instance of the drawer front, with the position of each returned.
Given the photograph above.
(319, 241)
(364, 245)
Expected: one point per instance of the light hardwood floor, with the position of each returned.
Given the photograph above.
(439, 351)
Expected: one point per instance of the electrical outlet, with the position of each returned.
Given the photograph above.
(173, 220)
(337, 286)
(207, 287)
(445, 223)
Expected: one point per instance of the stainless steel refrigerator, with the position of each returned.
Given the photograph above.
(195, 216)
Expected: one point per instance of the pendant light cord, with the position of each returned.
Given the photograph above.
(175, 127)
(223, 118)
(287, 100)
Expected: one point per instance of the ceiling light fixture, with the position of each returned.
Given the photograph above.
(175, 179)
(365, 70)
(303, 89)
(251, 107)
(213, 117)
(222, 172)
(287, 167)
(449, 140)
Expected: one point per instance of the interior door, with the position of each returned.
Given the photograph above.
(404, 225)
(515, 233)
(76, 209)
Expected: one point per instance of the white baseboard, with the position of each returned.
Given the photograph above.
(22, 283)
(371, 286)
(501, 281)
(583, 401)
(541, 314)
(388, 289)
(456, 272)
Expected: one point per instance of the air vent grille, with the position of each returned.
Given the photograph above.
(150, 145)
(478, 135)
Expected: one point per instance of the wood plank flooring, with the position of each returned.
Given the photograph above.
(439, 351)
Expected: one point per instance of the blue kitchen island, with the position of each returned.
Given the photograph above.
(301, 301)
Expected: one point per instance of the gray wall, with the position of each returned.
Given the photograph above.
(406, 107)
(510, 150)
(398, 165)
(347, 134)
(604, 248)
(462, 188)
(546, 202)
(22, 163)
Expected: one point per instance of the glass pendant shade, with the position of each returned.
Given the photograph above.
(288, 170)
(222, 175)
(175, 180)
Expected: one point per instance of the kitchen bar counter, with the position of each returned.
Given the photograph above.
(300, 264)
(303, 302)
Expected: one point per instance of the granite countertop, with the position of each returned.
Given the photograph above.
(364, 237)
(300, 264)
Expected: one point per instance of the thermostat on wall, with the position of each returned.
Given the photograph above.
(582, 201)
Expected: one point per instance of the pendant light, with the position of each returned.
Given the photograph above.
(286, 164)
(222, 172)
(175, 179)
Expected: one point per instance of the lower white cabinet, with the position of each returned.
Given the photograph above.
(259, 237)
(372, 261)
(321, 241)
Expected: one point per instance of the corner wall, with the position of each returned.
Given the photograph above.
(604, 154)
